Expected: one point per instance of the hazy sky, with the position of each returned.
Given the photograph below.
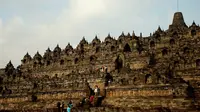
(35, 25)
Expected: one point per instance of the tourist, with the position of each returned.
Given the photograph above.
(91, 92)
(70, 103)
(59, 105)
(69, 108)
(108, 78)
(82, 101)
(97, 91)
(91, 99)
(63, 106)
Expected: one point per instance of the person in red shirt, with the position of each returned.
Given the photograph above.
(91, 99)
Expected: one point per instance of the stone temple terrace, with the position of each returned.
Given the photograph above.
(160, 72)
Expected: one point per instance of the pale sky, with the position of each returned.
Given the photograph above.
(35, 25)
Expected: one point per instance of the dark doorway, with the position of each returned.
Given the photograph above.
(107, 42)
(118, 63)
(34, 64)
(172, 41)
(24, 61)
(175, 34)
(176, 63)
(127, 48)
(93, 44)
(120, 41)
(97, 49)
(186, 50)
(157, 35)
(76, 61)
(164, 52)
(1, 81)
(40, 63)
(152, 60)
(147, 78)
(48, 63)
(62, 62)
(193, 32)
(152, 44)
(92, 58)
(66, 51)
(112, 48)
(82, 49)
(198, 63)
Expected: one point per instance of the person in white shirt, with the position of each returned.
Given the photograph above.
(97, 90)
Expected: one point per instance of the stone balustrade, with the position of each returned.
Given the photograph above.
(130, 92)
(193, 78)
(13, 100)
(45, 96)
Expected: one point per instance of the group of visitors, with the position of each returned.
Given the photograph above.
(90, 100)
(61, 107)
